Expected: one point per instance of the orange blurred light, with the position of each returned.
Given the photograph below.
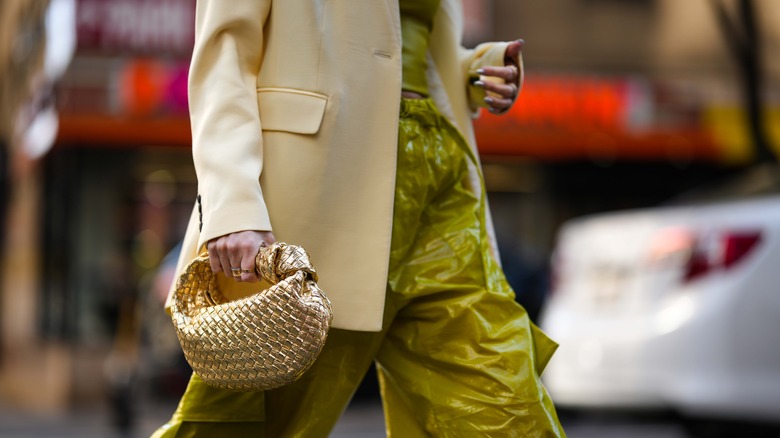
(141, 88)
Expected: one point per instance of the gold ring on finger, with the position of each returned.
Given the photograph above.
(236, 272)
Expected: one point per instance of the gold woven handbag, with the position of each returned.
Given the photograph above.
(260, 342)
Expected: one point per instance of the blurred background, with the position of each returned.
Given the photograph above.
(633, 187)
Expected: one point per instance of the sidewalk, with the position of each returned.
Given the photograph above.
(363, 420)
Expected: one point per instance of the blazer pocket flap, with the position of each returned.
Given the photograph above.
(290, 110)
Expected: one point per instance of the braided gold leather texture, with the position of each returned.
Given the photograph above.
(260, 342)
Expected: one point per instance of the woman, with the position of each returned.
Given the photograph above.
(305, 97)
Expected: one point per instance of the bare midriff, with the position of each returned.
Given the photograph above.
(416, 25)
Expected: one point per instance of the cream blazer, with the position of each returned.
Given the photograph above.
(294, 108)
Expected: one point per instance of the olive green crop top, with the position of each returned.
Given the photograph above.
(416, 25)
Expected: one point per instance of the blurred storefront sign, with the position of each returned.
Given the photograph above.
(600, 119)
(136, 26)
(132, 102)
(147, 86)
(608, 119)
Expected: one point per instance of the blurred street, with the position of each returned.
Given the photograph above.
(363, 420)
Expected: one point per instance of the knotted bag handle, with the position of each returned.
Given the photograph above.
(280, 260)
(273, 263)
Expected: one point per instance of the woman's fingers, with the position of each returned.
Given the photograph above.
(214, 261)
(502, 94)
(248, 272)
(248, 248)
(234, 254)
(508, 73)
(508, 91)
(223, 253)
(218, 255)
(497, 105)
(512, 54)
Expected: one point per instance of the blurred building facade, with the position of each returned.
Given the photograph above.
(626, 103)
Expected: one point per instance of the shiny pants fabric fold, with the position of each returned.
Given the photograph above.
(456, 357)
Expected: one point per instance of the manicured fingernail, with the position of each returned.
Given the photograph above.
(481, 71)
(489, 100)
(479, 84)
(522, 42)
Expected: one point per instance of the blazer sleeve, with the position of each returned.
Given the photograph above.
(226, 134)
(487, 54)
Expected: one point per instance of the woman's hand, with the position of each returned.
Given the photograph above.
(503, 95)
(234, 254)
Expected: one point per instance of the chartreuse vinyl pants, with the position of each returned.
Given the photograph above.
(457, 357)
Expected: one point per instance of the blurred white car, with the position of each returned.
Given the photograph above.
(673, 308)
